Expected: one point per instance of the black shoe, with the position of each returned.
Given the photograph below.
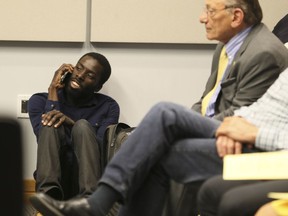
(55, 193)
(50, 207)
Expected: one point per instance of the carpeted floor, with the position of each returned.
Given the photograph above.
(29, 210)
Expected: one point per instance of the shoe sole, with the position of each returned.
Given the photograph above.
(44, 207)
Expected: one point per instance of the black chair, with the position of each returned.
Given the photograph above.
(11, 188)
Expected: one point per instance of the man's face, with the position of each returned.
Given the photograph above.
(217, 19)
(86, 77)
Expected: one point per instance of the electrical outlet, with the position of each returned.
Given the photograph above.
(22, 106)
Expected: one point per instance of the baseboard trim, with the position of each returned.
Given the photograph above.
(29, 185)
(29, 188)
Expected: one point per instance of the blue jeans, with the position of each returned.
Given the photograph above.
(170, 142)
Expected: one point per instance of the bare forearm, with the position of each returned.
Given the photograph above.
(52, 93)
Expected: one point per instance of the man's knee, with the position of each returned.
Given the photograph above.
(232, 204)
(50, 131)
(206, 197)
(162, 107)
(83, 134)
(47, 129)
(81, 126)
(166, 111)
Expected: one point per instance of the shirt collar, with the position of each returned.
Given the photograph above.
(235, 43)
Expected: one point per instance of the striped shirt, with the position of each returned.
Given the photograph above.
(270, 115)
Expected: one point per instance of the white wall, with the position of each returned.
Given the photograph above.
(142, 75)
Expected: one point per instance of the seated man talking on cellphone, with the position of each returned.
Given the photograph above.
(69, 122)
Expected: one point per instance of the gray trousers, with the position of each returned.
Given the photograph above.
(68, 161)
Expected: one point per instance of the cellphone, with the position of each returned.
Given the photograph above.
(64, 77)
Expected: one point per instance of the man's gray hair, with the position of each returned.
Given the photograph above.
(251, 8)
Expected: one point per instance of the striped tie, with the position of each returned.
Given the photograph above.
(207, 100)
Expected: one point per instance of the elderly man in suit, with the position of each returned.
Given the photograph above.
(255, 59)
(222, 197)
(255, 56)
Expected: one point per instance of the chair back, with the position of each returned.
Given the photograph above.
(11, 186)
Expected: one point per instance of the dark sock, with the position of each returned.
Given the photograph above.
(102, 200)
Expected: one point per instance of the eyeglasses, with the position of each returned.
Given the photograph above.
(212, 12)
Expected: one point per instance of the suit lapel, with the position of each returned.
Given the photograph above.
(254, 31)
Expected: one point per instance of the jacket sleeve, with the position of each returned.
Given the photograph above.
(272, 139)
(37, 105)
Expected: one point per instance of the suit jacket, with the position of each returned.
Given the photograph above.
(256, 65)
(281, 29)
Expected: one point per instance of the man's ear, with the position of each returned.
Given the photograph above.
(238, 18)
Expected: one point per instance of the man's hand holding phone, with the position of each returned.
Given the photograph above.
(64, 72)
(64, 77)
(61, 75)
(58, 80)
